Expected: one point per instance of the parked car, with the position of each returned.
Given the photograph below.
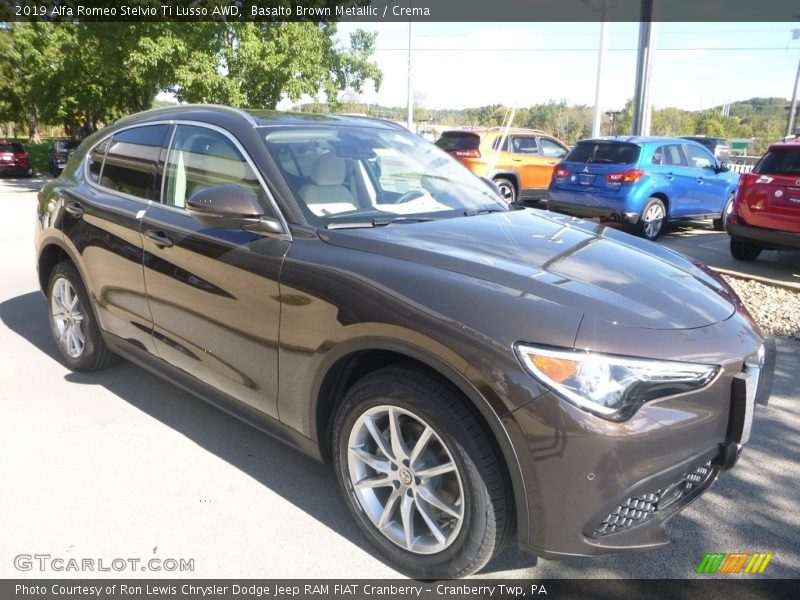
(14, 159)
(519, 161)
(643, 182)
(474, 372)
(766, 212)
(58, 154)
(719, 147)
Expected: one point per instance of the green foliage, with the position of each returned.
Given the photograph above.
(82, 75)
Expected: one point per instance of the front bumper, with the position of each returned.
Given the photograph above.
(596, 487)
(771, 239)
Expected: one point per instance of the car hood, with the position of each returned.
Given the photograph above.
(582, 265)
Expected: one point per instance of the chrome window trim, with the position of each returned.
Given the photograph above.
(174, 122)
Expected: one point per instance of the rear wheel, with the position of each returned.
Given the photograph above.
(653, 218)
(721, 224)
(744, 250)
(73, 323)
(419, 474)
(508, 191)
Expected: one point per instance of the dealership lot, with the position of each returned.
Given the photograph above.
(120, 464)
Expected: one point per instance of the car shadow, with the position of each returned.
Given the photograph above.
(277, 466)
(269, 461)
(32, 183)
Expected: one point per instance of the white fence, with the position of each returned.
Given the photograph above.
(742, 164)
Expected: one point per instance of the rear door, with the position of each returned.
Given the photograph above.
(534, 169)
(101, 222)
(670, 164)
(214, 293)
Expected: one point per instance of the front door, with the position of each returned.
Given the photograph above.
(213, 293)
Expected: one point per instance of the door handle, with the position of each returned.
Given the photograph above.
(159, 238)
(75, 209)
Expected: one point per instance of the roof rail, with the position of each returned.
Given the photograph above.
(370, 117)
(240, 112)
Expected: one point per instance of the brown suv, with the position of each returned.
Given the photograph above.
(319, 277)
(519, 161)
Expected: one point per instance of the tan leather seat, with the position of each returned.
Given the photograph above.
(327, 194)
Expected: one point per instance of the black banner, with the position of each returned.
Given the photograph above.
(397, 10)
(730, 588)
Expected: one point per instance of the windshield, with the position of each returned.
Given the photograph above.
(361, 175)
(780, 162)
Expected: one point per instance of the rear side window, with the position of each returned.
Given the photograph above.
(671, 155)
(609, 153)
(95, 160)
(524, 144)
(780, 162)
(131, 164)
(459, 141)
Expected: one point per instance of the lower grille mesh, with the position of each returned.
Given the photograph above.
(639, 508)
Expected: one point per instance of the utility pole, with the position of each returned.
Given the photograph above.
(793, 105)
(644, 68)
(601, 53)
(410, 115)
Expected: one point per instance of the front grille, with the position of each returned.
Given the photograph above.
(637, 509)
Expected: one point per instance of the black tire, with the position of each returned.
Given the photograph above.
(508, 191)
(744, 251)
(94, 355)
(644, 227)
(721, 224)
(485, 522)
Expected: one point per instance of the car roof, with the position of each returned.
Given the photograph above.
(255, 117)
(640, 140)
(485, 130)
(790, 145)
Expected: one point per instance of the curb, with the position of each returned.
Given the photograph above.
(791, 287)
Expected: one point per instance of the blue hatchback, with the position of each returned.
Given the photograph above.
(642, 181)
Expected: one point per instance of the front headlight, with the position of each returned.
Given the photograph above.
(612, 387)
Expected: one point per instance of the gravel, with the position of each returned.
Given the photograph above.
(775, 309)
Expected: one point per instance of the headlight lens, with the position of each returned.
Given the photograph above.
(611, 387)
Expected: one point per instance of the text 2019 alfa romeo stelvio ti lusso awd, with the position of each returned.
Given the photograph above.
(474, 371)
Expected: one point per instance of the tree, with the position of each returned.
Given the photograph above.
(256, 64)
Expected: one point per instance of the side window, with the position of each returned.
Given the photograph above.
(496, 143)
(523, 144)
(95, 161)
(200, 158)
(132, 161)
(699, 157)
(552, 149)
(671, 155)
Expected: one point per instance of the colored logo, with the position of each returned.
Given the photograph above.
(735, 562)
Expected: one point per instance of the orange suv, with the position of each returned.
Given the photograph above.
(519, 161)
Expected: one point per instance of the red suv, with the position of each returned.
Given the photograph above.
(766, 212)
(14, 159)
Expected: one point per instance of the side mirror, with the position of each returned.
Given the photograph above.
(492, 185)
(230, 206)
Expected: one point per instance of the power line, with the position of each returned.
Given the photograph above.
(706, 49)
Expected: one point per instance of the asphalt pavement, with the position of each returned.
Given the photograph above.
(121, 465)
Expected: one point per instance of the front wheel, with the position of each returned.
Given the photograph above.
(653, 218)
(419, 474)
(508, 191)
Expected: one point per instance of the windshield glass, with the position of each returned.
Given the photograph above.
(780, 162)
(345, 174)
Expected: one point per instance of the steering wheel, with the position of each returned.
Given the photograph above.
(409, 196)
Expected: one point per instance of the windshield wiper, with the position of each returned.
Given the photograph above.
(482, 211)
(378, 222)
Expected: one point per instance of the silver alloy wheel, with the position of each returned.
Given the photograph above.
(67, 313)
(653, 220)
(405, 479)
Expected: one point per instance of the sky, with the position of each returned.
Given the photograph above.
(697, 65)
